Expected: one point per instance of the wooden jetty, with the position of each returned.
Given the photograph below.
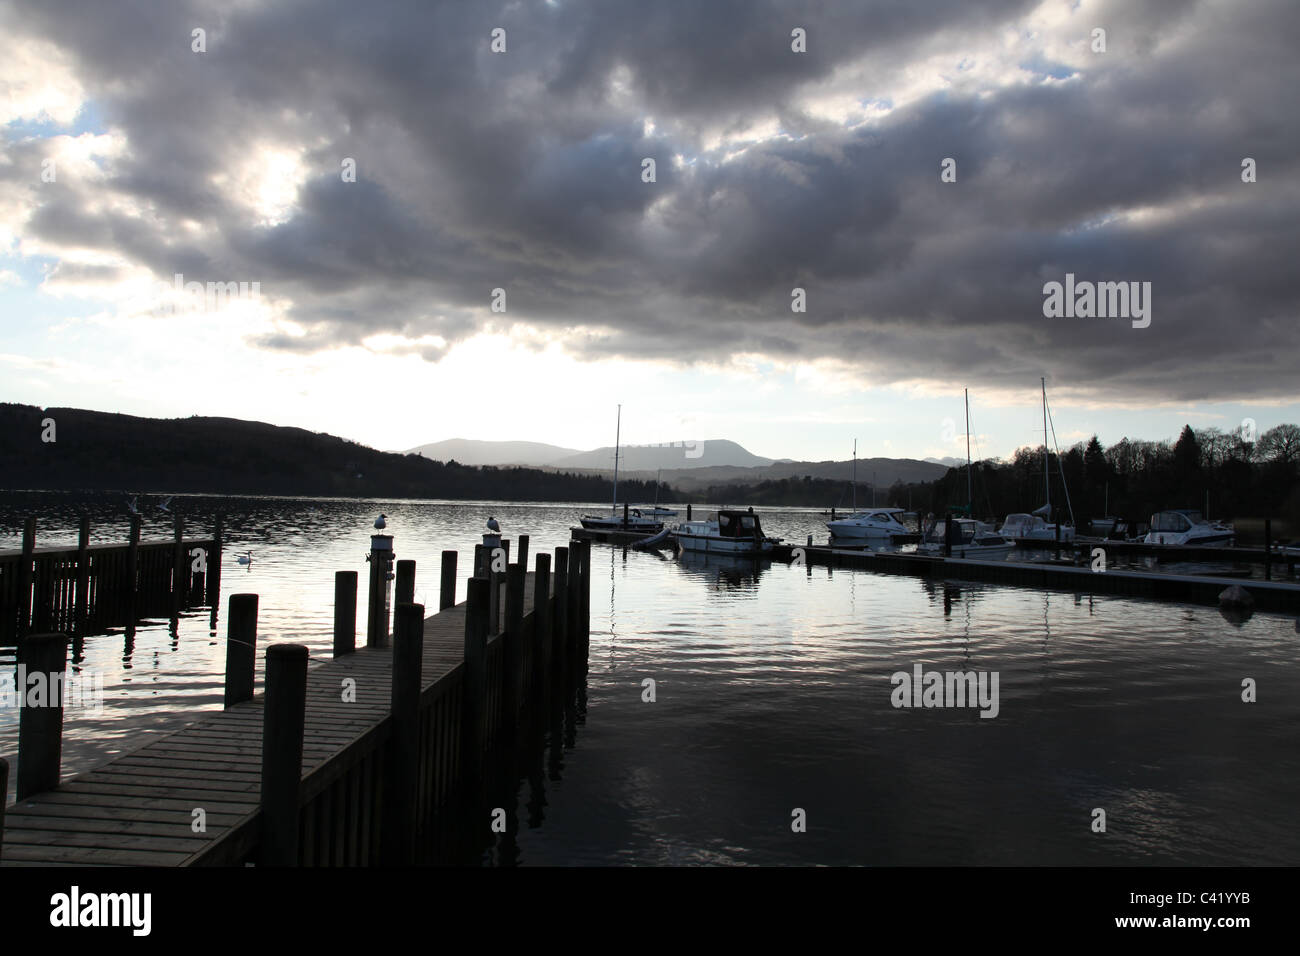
(92, 587)
(358, 760)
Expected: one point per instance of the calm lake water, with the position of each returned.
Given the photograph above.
(773, 695)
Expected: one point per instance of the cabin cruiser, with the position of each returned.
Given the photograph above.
(725, 532)
(1033, 529)
(876, 523)
(1187, 527)
(636, 521)
(971, 539)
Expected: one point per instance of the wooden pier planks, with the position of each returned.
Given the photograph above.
(138, 810)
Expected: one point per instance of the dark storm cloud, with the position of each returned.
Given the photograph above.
(522, 171)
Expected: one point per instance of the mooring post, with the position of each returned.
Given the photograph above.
(1057, 516)
(4, 797)
(625, 507)
(404, 593)
(178, 563)
(401, 797)
(1268, 549)
(542, 620)
(495, 579)
(575, 607)
(82, 606)
(25, 612)
(131, 585)
(447, 581)
(345, 612)
(947, 535)
(474, 697)
(560, 625)
(214, 566)
(241, 648)
(522, 557)
(584, 596)
(512, 651)
(381, 560)
(283, 722)
(688, 512)
(40, 714)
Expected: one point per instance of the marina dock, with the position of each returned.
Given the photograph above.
(361, 759)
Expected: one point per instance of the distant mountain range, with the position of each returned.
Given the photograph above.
(688, 465)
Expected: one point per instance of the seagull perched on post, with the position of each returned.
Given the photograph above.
(493, 526)
(380, 523)
(163, 506)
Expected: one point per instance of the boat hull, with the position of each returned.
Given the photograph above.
(716, 544)
(644, 525)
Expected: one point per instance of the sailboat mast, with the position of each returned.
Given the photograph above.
(1047, 480)
(855, 474)
(618, 425)
(970, 495)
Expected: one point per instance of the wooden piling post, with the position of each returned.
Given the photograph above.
(1268, 549)
(241, 648)
(40, 725)
(688, 512)
(474, 696)
(575, 607)
(403, 766)
(381, 556)
(625, 508)
(1057, 516)
(512, 651)
(522, 557)
(947, 535)
(345, 612)
(584, 597)
(4, 797)
(214, 564)
(25, 608)
(447, 584)
(82, 607)
(404, 593)
(542, 619)
(178, 564)
(283, 722)
(481, 561)
(560, 625)
(131, 587)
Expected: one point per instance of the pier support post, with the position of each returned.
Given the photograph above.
(521, 558)
(404, 593)
(585, 598)
(25, 605)
(512, 651)
(4, 796)
(241, 648)
(345, 612)
(400, 793)
(560, 625)
(178, 566)
(1268, 549)
(283, 722)
(688, 512)
(214, 568)
(82, 607)
(131, 586)
(947, 535)
(574, 604)
(474, 697)
(447, 584)
(1057, 518)
(40, 722)
(381, 560)
(625, 509)
(541, 623)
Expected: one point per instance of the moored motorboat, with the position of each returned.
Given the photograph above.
(971, 539)
(725, 532)
(1186, 527)
(877, 523)
(1031, 529)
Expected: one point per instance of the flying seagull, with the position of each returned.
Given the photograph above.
(380, 523)
(493, 526)
(163, 506)
(130, 506)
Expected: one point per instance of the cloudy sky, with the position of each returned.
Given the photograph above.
(128, 157)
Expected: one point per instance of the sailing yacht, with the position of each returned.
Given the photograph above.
(971, 538)
(1034, 528)
(636, 521)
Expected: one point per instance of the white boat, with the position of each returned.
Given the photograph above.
(971, 539)
(725, 532)
(878, 524)
(635, 520)
(1187, 527)
(1032, 529)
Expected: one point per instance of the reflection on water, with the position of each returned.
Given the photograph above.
(772, 692)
